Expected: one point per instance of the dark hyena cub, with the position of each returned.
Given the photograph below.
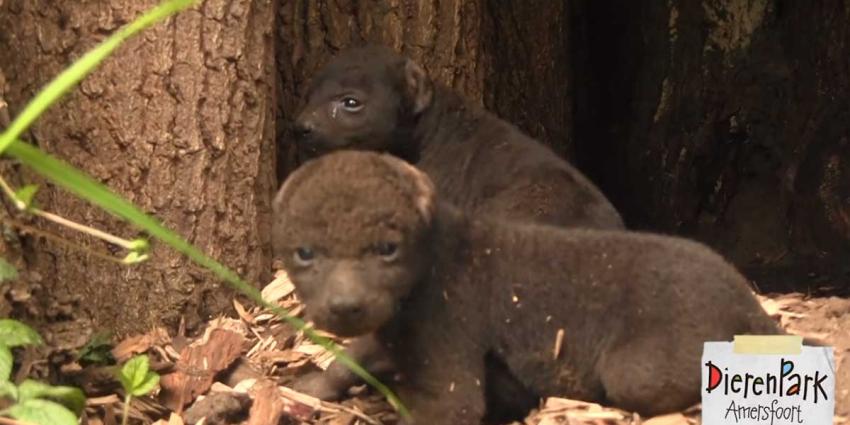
(371, 98)
(373, 252)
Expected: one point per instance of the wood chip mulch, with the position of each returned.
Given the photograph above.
(237, 373)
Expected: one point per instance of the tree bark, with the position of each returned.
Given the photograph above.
(10, 242)
(529, 78)
(180, 121)
(726, 120)
(508, 56)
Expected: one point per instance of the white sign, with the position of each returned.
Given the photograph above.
(767, 389)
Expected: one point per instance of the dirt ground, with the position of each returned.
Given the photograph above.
(238, 371)
(825, 318)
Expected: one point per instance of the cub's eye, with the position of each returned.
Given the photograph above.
(351, 104)
(387, 250)
(304, 256)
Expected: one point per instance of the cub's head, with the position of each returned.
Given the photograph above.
(353, 229)
(366, 98)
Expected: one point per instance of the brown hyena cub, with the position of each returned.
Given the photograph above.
(371, 98)
(373, 252)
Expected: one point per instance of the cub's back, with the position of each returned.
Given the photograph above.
(617, 282)
(607, 294)
(498, 170)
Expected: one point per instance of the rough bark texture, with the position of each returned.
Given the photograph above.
(529, 77)
(180, 121)
(10, 241)
(723, 119)
(485, 49)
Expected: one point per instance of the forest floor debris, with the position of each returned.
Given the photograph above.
(237, 372)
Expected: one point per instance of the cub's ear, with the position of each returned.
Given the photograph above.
(419, 86)
(282, 194)
(425, 196)
(278, 238)
(279, 204)
(285, 192)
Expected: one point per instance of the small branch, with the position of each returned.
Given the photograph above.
(10, 421)
(100, 234)
(54, 238)
(11, 194)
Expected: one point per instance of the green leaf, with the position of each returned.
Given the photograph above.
(97, 351)
(139, 245)
(14, 333)
(71, 397)
(148, 384)
(7, 271)
(26, 194)
(134, 258)
(8, 390)
(6, 361)
(134, 373)
(83, 66)
(42, 412)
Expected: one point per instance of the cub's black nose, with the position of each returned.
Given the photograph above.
(346, 307)
(302, 130)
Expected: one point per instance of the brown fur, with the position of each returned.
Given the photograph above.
(478, 161)
(463, 292)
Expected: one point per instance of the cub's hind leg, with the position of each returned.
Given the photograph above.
(651, 375)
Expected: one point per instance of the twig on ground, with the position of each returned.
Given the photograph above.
(58, 239)
(100, 234)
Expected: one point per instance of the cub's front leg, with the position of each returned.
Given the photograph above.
(448, 393)
(337, 379)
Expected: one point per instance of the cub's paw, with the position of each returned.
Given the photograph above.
(319, 385)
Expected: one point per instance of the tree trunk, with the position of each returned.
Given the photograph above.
(722, 119)
(728, 121)
(11, 251)
(180, 121)
(509, 56)
(529, 78)
(719, 119)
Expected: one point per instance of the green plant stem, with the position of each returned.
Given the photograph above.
(126, 411)
(80, 184)
(11, 194)
(82, 228)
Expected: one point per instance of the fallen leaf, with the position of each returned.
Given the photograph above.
(268, 406)
(198, 365)
(139, 344)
